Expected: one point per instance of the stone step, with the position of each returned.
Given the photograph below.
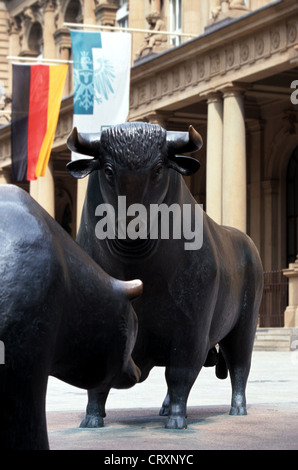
(276, 339)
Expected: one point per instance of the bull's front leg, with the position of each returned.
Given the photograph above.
(95, 411)
(180, 381)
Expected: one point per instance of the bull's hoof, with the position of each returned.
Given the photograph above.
(164, 411)
(238, 411)
(91, 421)
(176, 422)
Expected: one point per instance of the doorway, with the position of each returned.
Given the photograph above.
(292, 207)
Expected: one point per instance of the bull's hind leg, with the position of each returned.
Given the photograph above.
(95, 410)
(237, 349)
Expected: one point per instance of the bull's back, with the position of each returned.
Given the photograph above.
(26, 262)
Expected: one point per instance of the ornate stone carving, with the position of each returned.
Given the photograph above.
(229, 9)
(292, 33)
(259, 45)
(153, 42)
(244, 52)
(275, 40)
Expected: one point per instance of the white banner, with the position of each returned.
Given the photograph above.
(101, 78)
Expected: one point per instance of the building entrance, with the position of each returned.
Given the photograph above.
(292, 208)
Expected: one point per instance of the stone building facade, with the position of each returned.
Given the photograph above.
(231, 73)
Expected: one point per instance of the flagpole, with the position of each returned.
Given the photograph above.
(38, 59)
(128, 30)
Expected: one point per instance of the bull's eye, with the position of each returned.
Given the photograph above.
(158, 171)
(108, 171)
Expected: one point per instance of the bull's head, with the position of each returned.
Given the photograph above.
(134, 159)
(137, 140)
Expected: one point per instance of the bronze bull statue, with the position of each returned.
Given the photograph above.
(198, 295)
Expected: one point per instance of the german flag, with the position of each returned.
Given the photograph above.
(36, 99)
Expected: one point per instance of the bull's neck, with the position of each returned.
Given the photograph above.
(136, 250)
(126, 249)
(141, 249)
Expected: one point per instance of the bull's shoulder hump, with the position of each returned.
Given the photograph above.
(21, 218)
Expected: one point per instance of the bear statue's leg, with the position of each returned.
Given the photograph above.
(95, 411)
(22, 411)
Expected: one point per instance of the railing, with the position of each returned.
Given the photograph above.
(275, 299)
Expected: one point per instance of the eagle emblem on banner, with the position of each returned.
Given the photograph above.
(93, 82)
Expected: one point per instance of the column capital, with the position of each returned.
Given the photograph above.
(158, 117)
(212, 96)
(234, 89)
(255, 126)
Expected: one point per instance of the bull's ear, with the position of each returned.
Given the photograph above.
(184, 165)
(183, 142)
(81, 168)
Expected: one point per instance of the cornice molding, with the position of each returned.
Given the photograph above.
(212, 61)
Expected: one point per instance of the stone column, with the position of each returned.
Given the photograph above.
(255, 129)
(43, 191)
(88, 12)
(214, 157)
(49, 47)
(5, 175)
(234, 160)
(291, 312)
(270, 223)
(14, 45)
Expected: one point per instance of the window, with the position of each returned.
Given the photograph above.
(175, 21)
(35, 39)
(122, 14)
(73, 13)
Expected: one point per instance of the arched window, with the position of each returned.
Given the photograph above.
(73, 12)
(292, 207)
(35, 39)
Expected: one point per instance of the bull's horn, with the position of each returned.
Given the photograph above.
(184, 142)
(133, 288)
(86, 144)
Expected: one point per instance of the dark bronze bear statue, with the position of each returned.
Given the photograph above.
(60, 315)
